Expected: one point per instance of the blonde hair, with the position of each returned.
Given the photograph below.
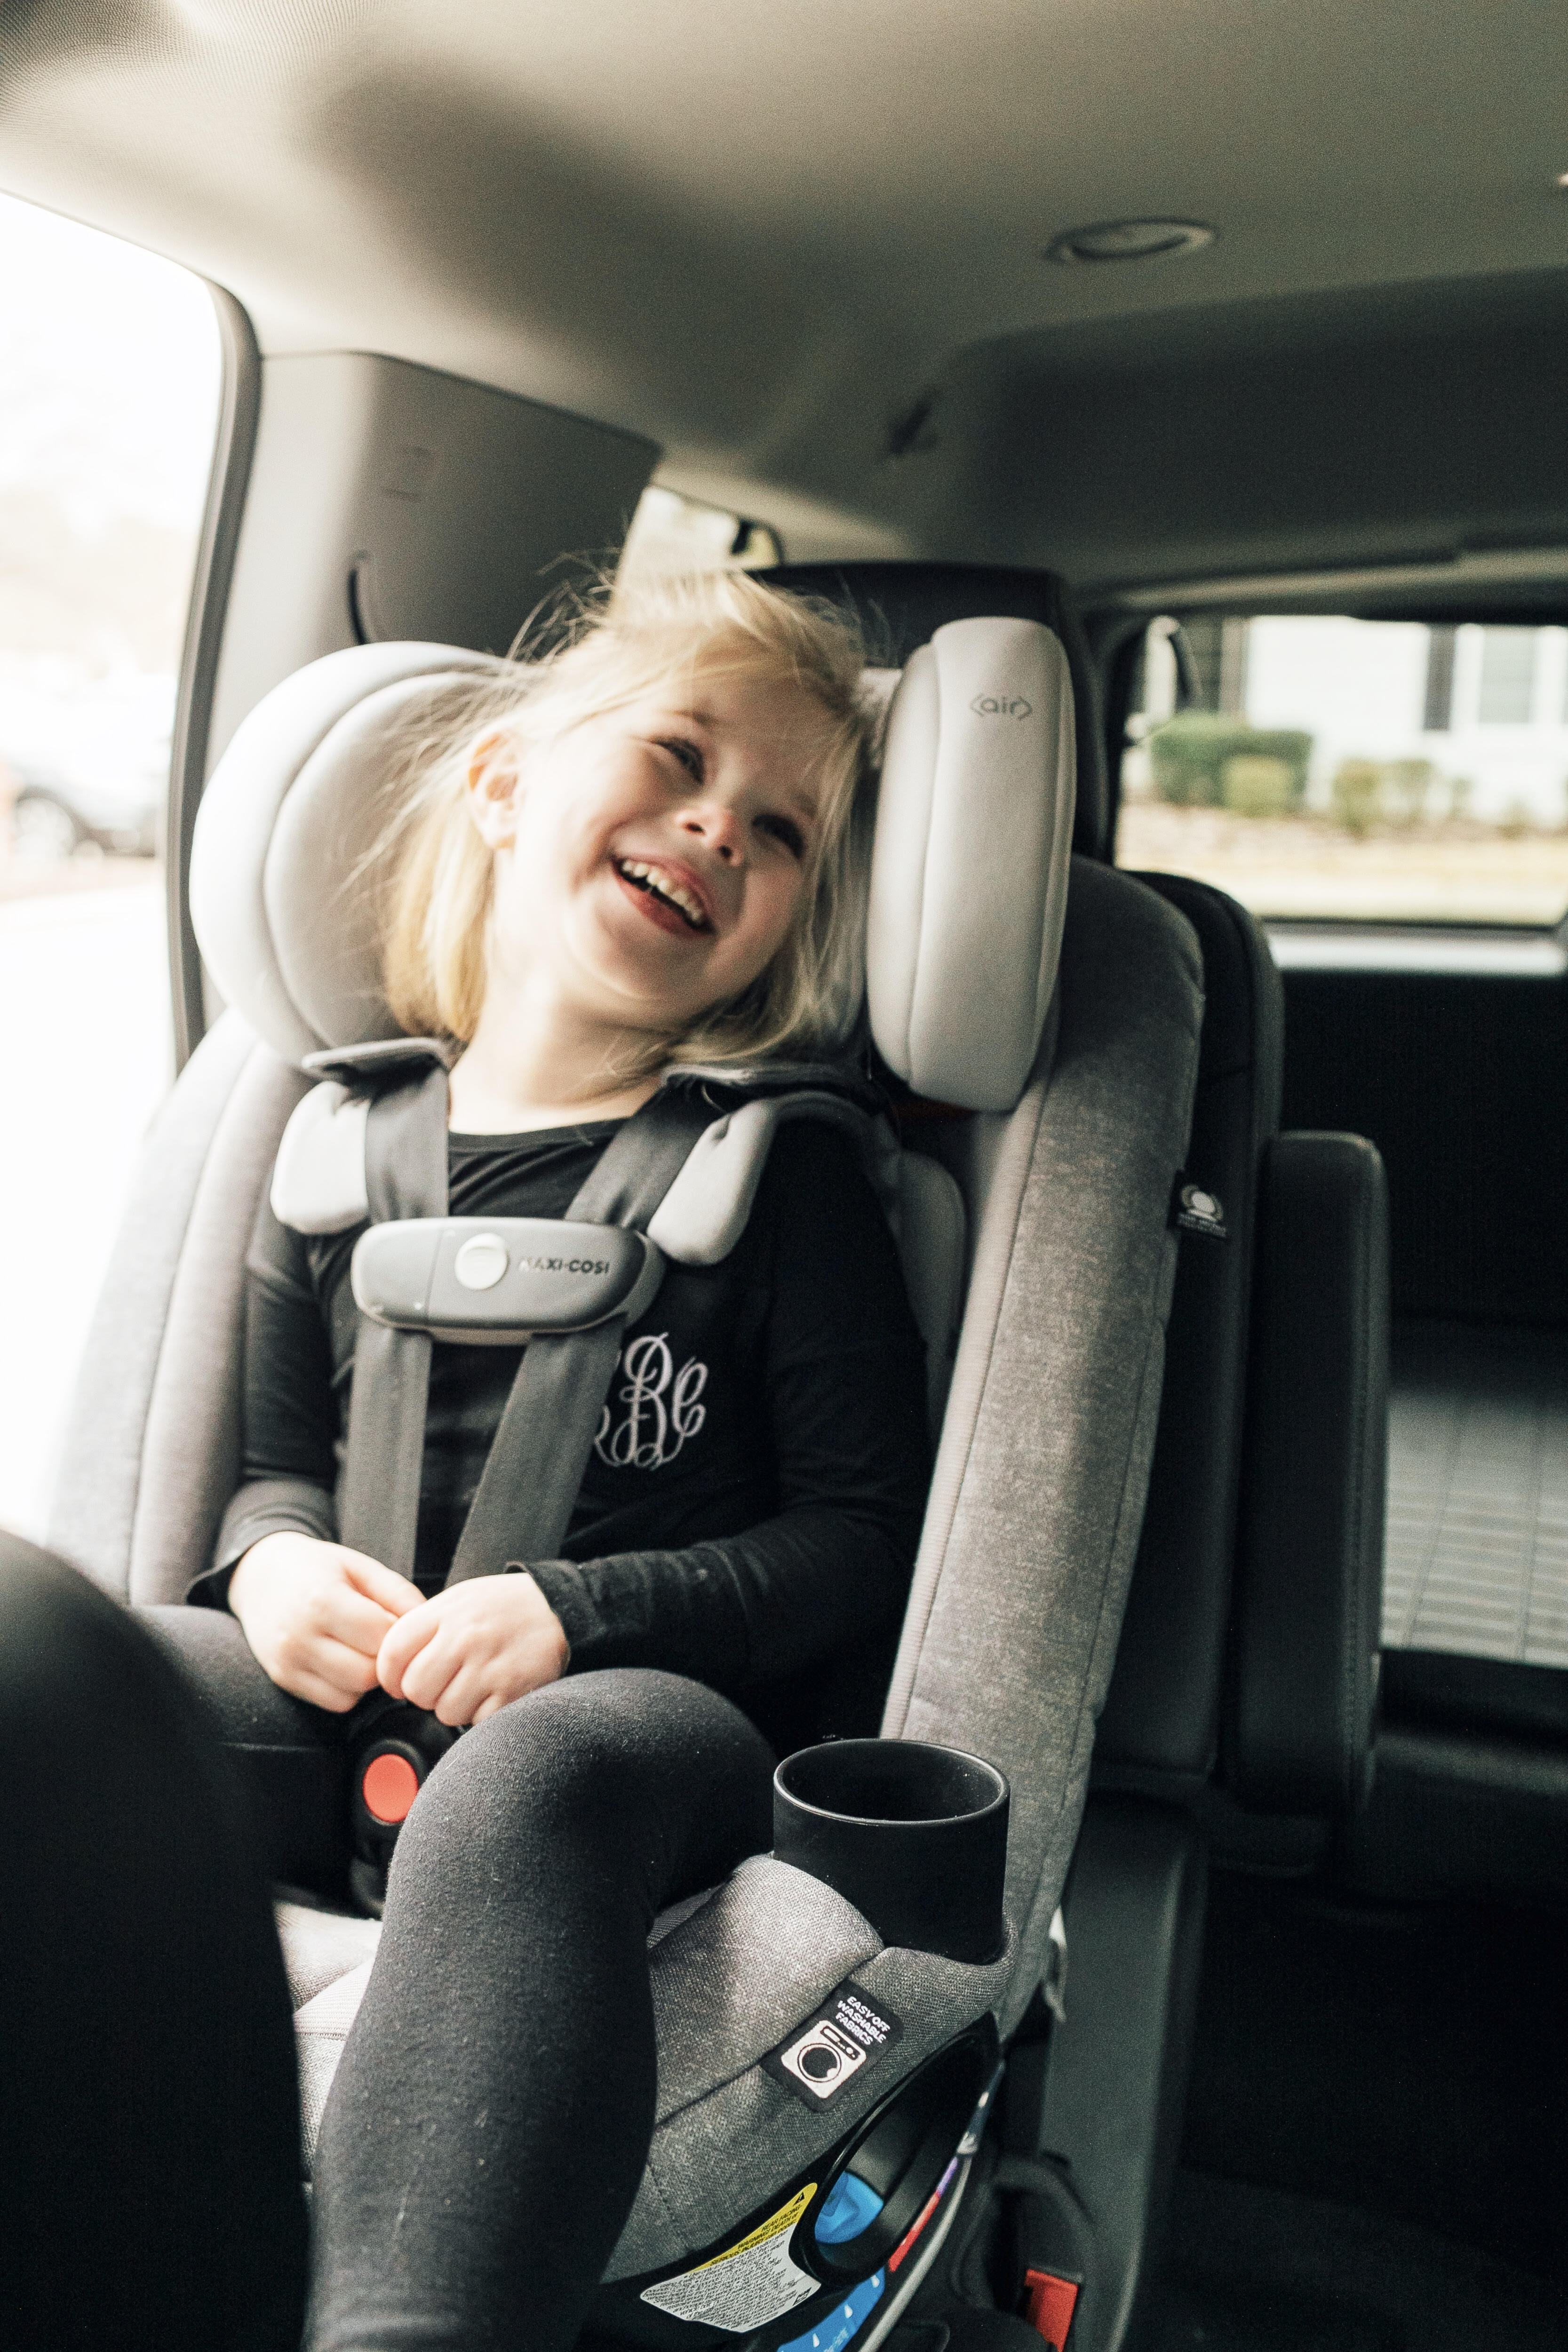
(438, 875)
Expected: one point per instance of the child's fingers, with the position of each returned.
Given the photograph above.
(462, 1693)
(401, 1644)
(330, 1674)
(431, 1679)
(341, 1615)
(394, 1593)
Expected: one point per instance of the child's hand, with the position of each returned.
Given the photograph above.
(474, 1648)
(316, 1613)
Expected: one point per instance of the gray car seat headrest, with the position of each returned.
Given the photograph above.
(969, 869)
(901, 603)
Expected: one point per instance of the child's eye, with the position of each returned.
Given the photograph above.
(689, 755)
(785, 829)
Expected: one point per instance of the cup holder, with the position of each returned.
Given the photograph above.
(914, 1836)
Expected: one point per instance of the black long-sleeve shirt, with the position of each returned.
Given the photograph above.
(753, 1497)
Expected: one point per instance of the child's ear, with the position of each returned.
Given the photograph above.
(494, 772)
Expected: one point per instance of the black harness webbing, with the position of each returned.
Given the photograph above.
(525, 1499)
(406, 1176)
(523, 1503)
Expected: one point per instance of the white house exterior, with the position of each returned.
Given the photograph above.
(1368, 689)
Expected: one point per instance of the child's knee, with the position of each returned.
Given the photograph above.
(545, 1760)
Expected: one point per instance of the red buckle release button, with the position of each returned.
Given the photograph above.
(1049, 2305)
(389, 1788)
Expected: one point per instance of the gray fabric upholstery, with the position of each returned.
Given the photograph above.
(321, 1947)
(320, 2028)
(277, 834)
(327, 1955)
(1039, 1493)
(99, 1486)
(731, 1979)
(732, 2145)
(191, 1450)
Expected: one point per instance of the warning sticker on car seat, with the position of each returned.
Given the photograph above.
(750, 2282)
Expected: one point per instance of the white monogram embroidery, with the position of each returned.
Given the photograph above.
(662, 1407)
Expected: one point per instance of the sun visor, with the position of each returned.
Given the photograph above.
(969, 871)
(282, 893)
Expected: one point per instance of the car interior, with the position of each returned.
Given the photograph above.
(1115, 363)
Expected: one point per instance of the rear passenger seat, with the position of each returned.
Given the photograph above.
(1472, 1783)
(1477, 1495)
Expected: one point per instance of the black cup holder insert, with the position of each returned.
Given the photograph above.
(915, 1836)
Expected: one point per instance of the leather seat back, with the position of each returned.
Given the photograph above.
(1163, 1713)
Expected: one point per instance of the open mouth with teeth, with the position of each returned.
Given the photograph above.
(664, 890)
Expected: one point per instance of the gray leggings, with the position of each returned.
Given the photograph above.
(489, 2123)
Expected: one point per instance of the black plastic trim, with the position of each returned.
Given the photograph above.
(233, 446)
(1092, 2118)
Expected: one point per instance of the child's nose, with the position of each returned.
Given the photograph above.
(717, 826)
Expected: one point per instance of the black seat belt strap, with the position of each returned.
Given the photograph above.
(406, 1176)
(523, 1504)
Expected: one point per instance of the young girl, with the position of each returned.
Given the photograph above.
(642, 853)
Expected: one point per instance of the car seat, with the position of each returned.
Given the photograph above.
(1240, 1715)
(1065, 1171)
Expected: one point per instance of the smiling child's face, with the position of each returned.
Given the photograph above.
(655, 858)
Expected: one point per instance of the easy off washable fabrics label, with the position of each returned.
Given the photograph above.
(750, 2282)
(820, 2059)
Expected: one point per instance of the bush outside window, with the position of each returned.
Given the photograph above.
(1328, 767)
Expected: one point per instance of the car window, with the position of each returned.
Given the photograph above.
(1331, 767)
(109, 390)
(671, 533)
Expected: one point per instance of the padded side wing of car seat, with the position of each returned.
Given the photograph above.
(1030, 1535)
(1038, 1500)
(152, 1440)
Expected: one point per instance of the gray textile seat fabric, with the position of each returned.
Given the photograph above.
(1031, 1529)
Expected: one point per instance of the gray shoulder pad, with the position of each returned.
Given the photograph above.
(704, 1213)
(317, 1178)
(319, 1182)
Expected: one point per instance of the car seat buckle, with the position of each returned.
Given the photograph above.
(398, 1748)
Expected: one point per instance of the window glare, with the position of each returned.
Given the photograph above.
(110, 380)
(1329, 767)
(671, 533)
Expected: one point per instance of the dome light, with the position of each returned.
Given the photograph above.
(1128, 240)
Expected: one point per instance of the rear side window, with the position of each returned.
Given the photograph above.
(108, 391)
(1333, 768)
(671, 533)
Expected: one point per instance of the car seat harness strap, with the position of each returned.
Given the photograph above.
(567, 1288)
(529, 1483)
(404, 1176)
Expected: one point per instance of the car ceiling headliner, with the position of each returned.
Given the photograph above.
(761, 234)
